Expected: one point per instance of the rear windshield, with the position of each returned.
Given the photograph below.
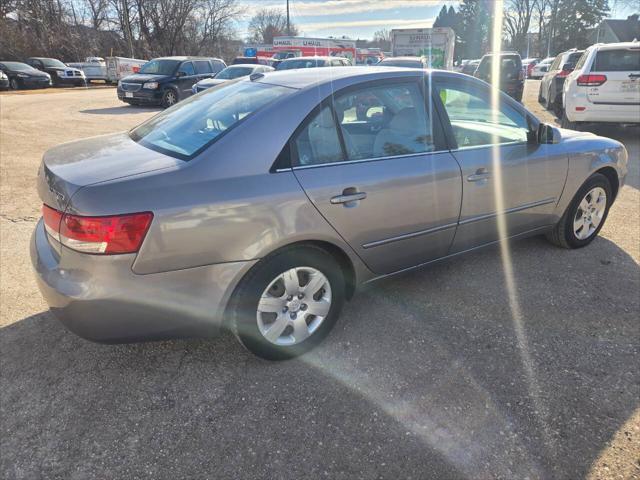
(401, 63)
(627, 60)
(160, 67)
(304, 63)
(508, 63)
(230, 73)
(185, 129)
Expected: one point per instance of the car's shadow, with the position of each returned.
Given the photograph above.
(449, 372)
(121, 110)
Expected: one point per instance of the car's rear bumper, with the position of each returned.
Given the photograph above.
(100, 298)
(579, 109)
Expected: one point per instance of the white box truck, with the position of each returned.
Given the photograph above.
(436, 44)
(120, 67)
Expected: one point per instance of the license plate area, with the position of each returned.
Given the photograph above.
(128, 94)
(630, 86)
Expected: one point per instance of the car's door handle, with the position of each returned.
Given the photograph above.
(481, 174)
(348, 195)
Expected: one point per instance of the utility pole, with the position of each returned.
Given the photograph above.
(288, 28)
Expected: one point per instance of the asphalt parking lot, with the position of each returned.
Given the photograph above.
(433, 374)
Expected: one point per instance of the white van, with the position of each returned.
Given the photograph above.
(604, 87)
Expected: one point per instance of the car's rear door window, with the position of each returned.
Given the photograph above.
(623, 60)
(203, 67)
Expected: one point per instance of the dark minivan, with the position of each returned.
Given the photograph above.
(511, 72)
(165, 81)
(550, 94)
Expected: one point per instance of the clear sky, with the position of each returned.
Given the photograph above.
(358, 18)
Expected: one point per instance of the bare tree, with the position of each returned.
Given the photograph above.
(517, 20)
(268, 23)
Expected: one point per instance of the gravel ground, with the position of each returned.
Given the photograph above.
(434, 374)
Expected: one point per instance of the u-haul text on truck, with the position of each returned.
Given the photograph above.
(434, 43)
(310, 47)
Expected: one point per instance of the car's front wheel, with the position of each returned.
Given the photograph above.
(169, 98)
(14, 84)
(585, 215)
(288, 303)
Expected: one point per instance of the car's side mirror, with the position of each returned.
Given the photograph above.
(181, 74)
(548, 134)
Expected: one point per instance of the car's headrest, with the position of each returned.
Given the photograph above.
(406, 119)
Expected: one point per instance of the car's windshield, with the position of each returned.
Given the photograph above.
(230, 73)
(18, 66)
(301, 63)
(160, 67)
(183, 130)
(52, 62)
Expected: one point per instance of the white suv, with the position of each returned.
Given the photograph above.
(604, 87)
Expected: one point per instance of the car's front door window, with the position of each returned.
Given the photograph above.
(187, 69)
(476, 122)
(318, 142)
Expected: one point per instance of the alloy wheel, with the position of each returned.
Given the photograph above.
(590, 213)
(293, 306)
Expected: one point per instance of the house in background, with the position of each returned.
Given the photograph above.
(614, 30)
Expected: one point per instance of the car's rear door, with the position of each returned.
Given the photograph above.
(394, 192)
(621, 67)
(503, 175)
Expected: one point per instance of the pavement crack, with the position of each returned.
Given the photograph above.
(19, 219)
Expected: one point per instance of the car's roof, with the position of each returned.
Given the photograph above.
(405, 58)
(311, 77)
(183, 58)
(308, 58)
(41, 58)
(249, 65)
(615, 46)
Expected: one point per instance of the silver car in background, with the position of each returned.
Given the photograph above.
(260, 205)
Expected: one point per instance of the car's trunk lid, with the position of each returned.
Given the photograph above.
(70, 166)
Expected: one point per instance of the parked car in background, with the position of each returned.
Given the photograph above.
(312, 62)
(541, 68)
(230, 73)
(4, 81)
(260, 206)
(22, 75)
(406, 62)
(251, 61)
(470, 67)
(120, 67)
(60, 73)
(167, 80)
(528, 64)
(550, 92)
(94, 68)
(511, 72)
(604, 86)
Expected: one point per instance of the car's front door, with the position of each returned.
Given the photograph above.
(504, 175)
(374, 163)
(186, 78)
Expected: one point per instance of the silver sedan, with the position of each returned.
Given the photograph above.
(261, 205)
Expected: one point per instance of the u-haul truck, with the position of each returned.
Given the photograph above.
(289, 47)
(436, 44)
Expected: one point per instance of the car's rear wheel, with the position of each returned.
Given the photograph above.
(169, 98)
(566, 123)
(288, 303)
(585, 215)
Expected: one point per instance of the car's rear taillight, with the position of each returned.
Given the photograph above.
(591, 80)
(564, 73)
(102, 235)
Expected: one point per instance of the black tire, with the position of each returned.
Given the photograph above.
(244, 303)
(562, 234)
(540, 99)
(14, 84)
(566, 123)
(169, 98)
